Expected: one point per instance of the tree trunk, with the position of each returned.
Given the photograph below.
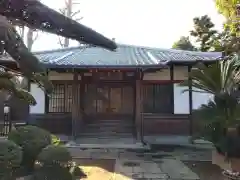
(30, 40)
(68, 14)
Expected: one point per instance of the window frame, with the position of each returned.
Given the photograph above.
(66, 97)
(153, 109)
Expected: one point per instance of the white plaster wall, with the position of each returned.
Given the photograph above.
(200, 98)
(180, 72)
(60, 76)
(53, 75)
(181, 100)
(164, 74)
(39, 96)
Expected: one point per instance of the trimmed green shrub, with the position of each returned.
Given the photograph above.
(54, 163)
(10, 159)
(52, 154)
(32, 140)
(52, 172)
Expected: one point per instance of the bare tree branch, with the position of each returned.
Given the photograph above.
(36, 36)
(67, 11)
(75, 13)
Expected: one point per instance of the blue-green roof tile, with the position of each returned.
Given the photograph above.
(125, 55)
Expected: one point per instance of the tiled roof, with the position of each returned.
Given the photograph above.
(125, 56)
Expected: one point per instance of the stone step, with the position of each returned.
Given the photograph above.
(106, 132)
(110, 123)
(105, 135)
(164, 116)
(108, 127)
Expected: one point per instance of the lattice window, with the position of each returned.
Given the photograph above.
(158, 98)
(61, 99)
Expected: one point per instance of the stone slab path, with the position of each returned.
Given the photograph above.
(127, 169)
(133, 165)
(177, 170)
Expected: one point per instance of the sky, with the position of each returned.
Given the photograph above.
(153, 23)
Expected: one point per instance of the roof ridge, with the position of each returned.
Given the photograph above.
(170, 50)
(60, 49)
(84, 46)
(191, 53)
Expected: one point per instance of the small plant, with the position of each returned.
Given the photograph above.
(10, 159)
(55, 140)
(32, 140)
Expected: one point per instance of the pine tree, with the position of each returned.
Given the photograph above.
(184, 43)
(203, 32)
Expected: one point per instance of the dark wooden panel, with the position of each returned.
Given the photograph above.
(19, 109)
(56, 123)
(157, 124)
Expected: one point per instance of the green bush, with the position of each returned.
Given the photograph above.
(54, 163)
(55, 155)
(10, 159)
(32, 140)
(52, 172)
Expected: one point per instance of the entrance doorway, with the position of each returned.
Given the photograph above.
(109, 100)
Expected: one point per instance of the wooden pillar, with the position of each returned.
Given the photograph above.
(81, 95)
(138, 105)
(46, 96)
(172, 93)
(190, 102)
(75, 106)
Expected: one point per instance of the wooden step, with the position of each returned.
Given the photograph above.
(108, 129)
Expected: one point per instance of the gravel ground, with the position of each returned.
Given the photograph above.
(205, 170)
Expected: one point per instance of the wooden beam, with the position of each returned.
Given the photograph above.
(138, 105)
(46, 99)
(172, 81)
(190, 102)
(82, 90)
(75, 105)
